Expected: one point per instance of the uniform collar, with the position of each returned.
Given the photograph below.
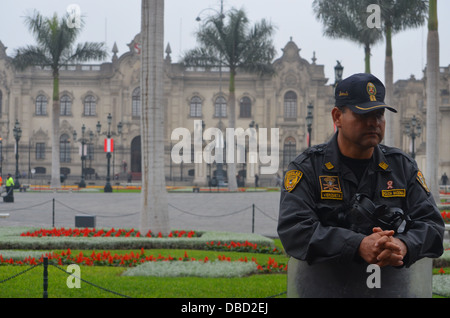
(331, 162)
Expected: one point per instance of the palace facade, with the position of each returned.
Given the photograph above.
(193, 96)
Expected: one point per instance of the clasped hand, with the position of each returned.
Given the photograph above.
(382, 248)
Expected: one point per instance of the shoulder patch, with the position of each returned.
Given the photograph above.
(291, 179)
(421, 180)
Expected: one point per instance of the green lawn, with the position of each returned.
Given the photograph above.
(29, 284)
(107, 281)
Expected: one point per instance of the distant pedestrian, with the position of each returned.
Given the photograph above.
(444, 179)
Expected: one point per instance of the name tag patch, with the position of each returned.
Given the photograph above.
(393, 193)
(330, 188)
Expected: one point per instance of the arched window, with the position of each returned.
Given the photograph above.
(41, 105)
(90, 105)
(220, 107)
(195, 105)
(245, 107)
(290, 105)
(65, 105)
(289, 151)
(64, 148)
(136, 102)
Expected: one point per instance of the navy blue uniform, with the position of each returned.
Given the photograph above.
(319, 190)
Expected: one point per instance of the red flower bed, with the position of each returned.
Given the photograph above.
(446, 216)
(87, 232)
(105, 258)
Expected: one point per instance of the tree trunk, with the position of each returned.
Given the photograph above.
(56, 171)
(432, 87)
(367, 58)
(154, 203)
(389, 83)
(231, 166)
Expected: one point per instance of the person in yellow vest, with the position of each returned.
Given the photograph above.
(9, 189)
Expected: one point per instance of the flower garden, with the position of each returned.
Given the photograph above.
(218, 264)
(125, 255)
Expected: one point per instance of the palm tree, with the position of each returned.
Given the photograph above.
(432, 88)
(346, 19)
(396, 16)
(55, 49)
(154, 204)
(237, 46)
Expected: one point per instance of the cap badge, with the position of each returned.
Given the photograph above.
(372, 91)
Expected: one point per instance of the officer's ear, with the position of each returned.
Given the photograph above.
(336, 115)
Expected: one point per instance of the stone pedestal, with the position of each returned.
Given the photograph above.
(333, 280)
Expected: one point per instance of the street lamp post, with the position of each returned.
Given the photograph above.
(338, 72)
(309, 121)
(108, 149)
(83, 141)
(413, 130)
(221, 15)
(17, 131)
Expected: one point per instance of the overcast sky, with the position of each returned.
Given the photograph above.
(119, 21)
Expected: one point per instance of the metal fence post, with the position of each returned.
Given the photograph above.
(45, 295)
(53, 213)
(253, 218)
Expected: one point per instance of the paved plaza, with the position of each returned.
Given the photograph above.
(231, 212)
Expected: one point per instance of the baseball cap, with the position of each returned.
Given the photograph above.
(362, 93)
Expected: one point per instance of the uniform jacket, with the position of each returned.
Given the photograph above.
(317, 184)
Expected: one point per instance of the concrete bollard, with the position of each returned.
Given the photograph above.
(334, 280)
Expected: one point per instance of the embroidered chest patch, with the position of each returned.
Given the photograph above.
(330, 188)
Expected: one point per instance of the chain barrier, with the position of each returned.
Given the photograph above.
(18, 274)
(137, 212)
(45, 294)
(45, 264)
(25, 208)
(90, 283)
(102, 216)
(253, 207)
(210, 216)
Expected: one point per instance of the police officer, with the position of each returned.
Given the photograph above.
(353, 200)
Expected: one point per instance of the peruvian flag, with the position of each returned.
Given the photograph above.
(109, 145)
